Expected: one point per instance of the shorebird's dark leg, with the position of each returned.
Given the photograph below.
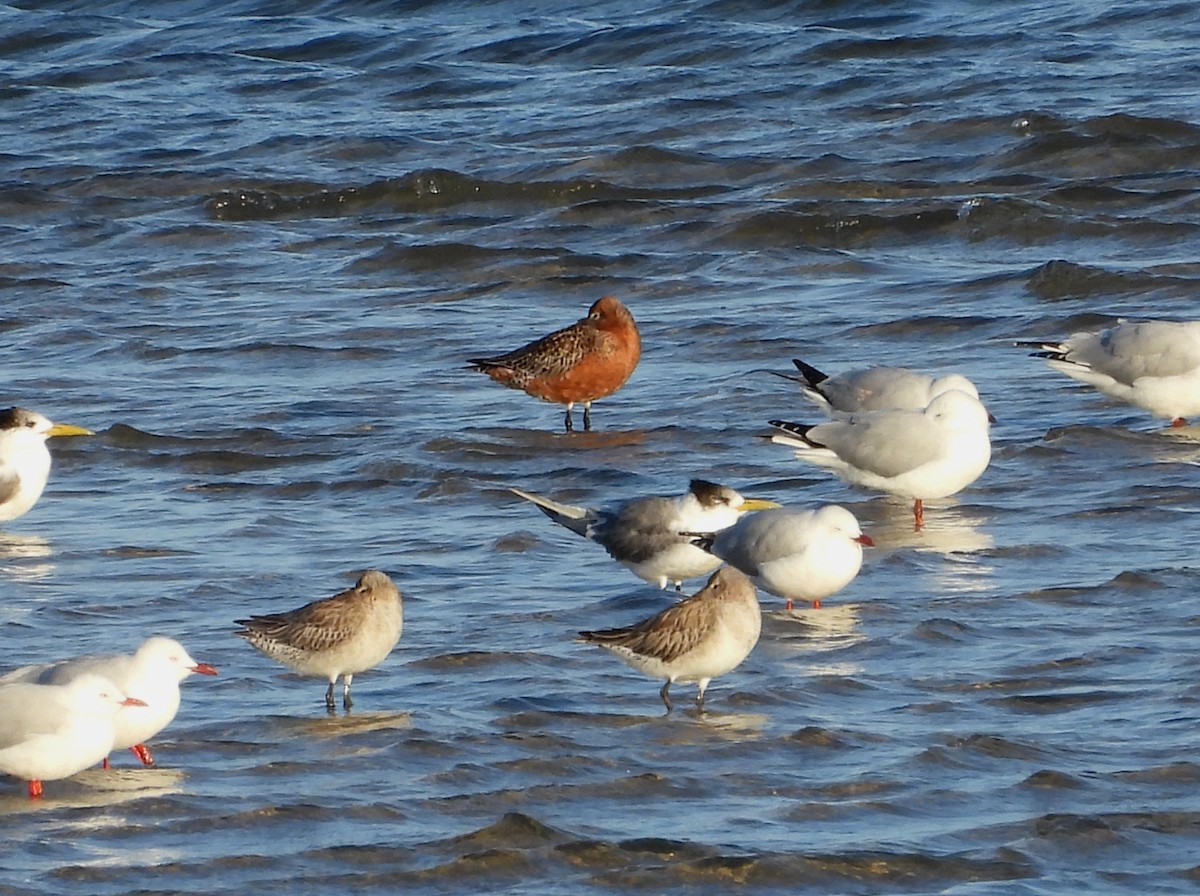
(679, 587)
(346, 701)
(700, 698)
(587, 416)
(666, 697)
(570, 422)
(329, 697)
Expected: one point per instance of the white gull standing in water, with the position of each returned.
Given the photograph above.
(152, 674)
(914, 454)
(1154, 365)
(53, 731)
(796, 554)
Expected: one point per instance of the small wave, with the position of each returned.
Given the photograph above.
(422, 190)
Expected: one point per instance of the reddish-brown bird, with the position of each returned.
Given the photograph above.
(588, 360)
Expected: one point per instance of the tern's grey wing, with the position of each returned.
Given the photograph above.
(10, 485)
(638, 530)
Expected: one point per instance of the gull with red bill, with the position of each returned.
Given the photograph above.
(53, 731)
(152, 674)
(796, 554)
(919, 455)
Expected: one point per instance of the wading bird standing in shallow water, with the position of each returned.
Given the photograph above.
(697, 639)
(796, 554)
(53, 731)
(341, 635)
(647, 534)
(1154, 365)
(24, 458)
(914, 454)
(588, 360)
(152, 674)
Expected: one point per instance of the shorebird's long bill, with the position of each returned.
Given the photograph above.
(66, 429)
(204, 669)
(758, 504)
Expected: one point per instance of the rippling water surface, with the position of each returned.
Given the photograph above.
(251, 245)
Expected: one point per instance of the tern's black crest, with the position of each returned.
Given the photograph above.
(709, 494)
(13, 418)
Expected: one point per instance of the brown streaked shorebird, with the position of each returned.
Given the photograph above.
(341, 635)
(697, 639)
(588, 360)
(24, 458)
(647, 534)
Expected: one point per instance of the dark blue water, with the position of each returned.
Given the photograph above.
(252, 245)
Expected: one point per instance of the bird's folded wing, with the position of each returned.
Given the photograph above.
(672, 633)
(10, 485)
(316, 626)
(887, 443)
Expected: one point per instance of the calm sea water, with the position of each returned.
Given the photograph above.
(251, 245)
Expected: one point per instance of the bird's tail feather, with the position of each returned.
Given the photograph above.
(811, 375)
(1056, 351)
(570, 516)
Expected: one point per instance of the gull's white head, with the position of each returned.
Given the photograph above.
(167, 657)
(952, 381)
(836, 519)
(92, 694)
(957, 409)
